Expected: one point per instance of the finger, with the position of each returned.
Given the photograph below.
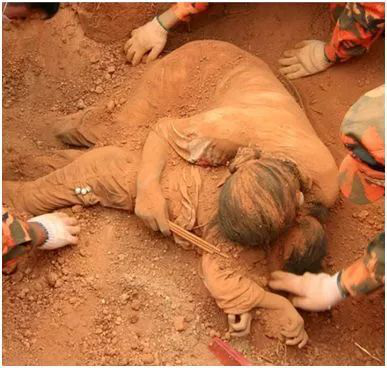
(71, 221)
(152, 224)
(163, 223)
(74, 230)
(304, 303)
(286, 281)
(72, 239)
(231, 318)
(239, 333)
(155, 52)
(245, 321)
(290, 69)
(295, 340)
(301, 44)
(128, 44)
(299, 74)
(304, 340)
(130, 53)
(290, 53)
(288, 61)
(60, 214)
(133, 33)
(137, 56)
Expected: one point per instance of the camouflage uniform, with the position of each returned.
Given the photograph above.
(15, 241)
(358, 25)
(361, 180)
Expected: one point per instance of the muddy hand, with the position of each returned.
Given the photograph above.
(152, 208)
(151, 38)
(293, 327)
(242, 327)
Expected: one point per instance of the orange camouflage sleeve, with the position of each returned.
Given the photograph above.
(184, 10)
(367, 273)
(15, 237)
(357, 27)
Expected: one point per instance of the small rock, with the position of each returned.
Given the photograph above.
(110, 106)
(212, 333)
(38, 287)
(227, 336)
(124, 298)
(133, 318)
(136, 305)
(99, 90)
(94, 59)
(122, 101)
(148, 358)
(111, 69)
(23, 293)
(72, 300)
(77, 208)
(179, 323)
(363, 214)
(108, 76)
(98, 81)
(58, 283)
(81, 105)
(52, 279)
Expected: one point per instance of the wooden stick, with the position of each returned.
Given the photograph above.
(195, 240)
(367, 352)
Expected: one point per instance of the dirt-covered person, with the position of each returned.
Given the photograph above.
(361, 181)
(46, 232)
(250, 131)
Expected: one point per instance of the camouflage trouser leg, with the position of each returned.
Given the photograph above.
(357, 27)
(104, 175)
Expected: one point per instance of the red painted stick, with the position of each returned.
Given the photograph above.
(226, 354)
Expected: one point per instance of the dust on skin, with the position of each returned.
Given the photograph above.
(248, 106)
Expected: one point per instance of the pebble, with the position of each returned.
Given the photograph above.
(81, 105)
(99, 90)
(108, 76)
(77, 208)
(73, 300)
(148, 358)
(133, 318)
(136, 305)
(110, 106)
(178, 322)
(94, 59)
(111, 69)
(213, 333)
(363, 214)
(52, 279)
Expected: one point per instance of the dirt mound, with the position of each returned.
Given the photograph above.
(105, 22)
(125, 295)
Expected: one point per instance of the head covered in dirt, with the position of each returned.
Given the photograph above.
(260, 199)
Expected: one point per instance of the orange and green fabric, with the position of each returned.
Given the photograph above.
(15, 239)
(361, 176)
(358, 26)
(183, 11)
(367, 273)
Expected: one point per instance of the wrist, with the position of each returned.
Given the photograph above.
(167, 20)
(342, 289)
(38, 234)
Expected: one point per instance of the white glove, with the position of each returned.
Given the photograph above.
(151, 36)
(313, 292)
(242, 327)
(61, 230)
(307, 58)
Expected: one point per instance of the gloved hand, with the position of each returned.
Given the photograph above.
(242, 327)
(313, 292)
(307, 58)
(60, 229)
(152, 208)
(149, 37)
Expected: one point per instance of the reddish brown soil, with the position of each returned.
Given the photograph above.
(118, 296)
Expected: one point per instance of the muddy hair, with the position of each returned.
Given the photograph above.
(258, 202)
(308, 247)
